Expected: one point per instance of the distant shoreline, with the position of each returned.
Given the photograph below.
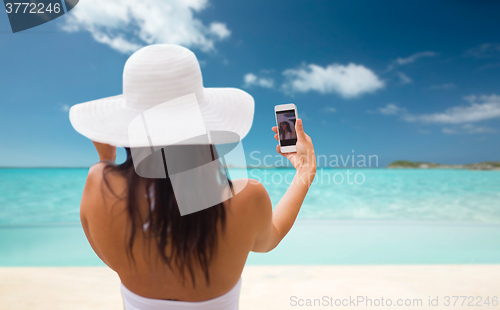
(404, 164)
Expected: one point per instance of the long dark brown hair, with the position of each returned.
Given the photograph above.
(193, 237)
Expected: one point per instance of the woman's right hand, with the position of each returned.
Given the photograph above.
(303, 159)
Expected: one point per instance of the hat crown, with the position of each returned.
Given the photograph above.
(159, 73)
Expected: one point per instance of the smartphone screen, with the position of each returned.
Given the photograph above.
(286, 127)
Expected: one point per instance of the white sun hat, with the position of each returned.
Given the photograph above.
(164, 103)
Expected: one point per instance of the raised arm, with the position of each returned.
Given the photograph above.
(274, 225)
(106, 152)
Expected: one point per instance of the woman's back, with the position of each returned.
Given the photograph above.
(250, 224)
(106, 223)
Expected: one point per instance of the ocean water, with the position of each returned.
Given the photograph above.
(357, 216)
(41, 196)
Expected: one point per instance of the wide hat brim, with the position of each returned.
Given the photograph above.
(227, 113)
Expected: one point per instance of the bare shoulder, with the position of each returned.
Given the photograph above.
(252, 201)
(103, 188)
(102, 216)
(96, 176)
(249, 190)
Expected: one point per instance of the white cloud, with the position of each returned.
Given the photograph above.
(459, 119)
(251, 79)
(414, 57)
(490, 66)
(476, 129)
(391, 109)
(348, 81)
(410, 59)
(118, 43)
(468, 128)
(404, 78)
(330, 110)
(65, 108)
(480, 108)
(127, 25)
(220, 30)
(487, 50)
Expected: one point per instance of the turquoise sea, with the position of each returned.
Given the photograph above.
(356, 216)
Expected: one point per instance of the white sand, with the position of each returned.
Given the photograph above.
(264, 287)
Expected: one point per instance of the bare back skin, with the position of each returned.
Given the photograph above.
(251, 225)
(105, 221)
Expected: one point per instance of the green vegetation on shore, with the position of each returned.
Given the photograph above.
(405, 164)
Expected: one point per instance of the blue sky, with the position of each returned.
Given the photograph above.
(415, 81)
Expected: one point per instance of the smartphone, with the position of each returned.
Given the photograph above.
(286, 116)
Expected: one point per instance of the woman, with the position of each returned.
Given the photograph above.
(133, 223)
(286, 132)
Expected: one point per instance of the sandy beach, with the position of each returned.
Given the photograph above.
(269, 287)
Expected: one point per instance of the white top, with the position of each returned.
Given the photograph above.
(228, 301)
